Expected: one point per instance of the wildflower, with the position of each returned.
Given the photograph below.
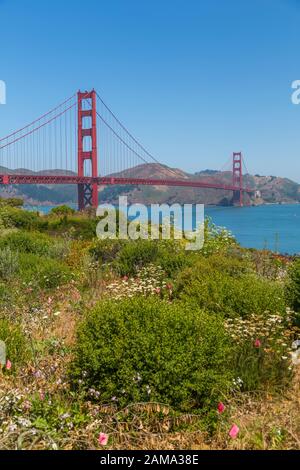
(296, 357)
(234, 431)
(103, 439)
(27, 405)
(8, 364)
(221, 408)
(257, 343)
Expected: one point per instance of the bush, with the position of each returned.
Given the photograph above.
(226, 287)
(6, 294)
(43, 272)
(172, 257)
(77, 227)
(106, 250)
(134, 255)
(216, 239)
(13, 217)
(148, 350)
(16, 347)
(36, 243)
(292, 287)
(62, 210)
(9, 263)
(27, 242)
(12, 202)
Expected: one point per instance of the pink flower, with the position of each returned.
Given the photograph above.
(125, 278)
(169, 286)
(103, 439)
(158, 290)
(42, 396)
(233, 433)
(221, 407)
(8, 364)
(257, 343)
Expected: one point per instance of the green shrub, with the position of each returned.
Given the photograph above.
(16, 346)
(14, 217)
(292, 287)
(148, 350)
(12, 202)
(222, 286)
(134, 255)
(43, 272)
(27, 242)
(35, 243)
(76, 227)
(173, 257)
(105, 250)
(62, 210)
(6, 294)
(216, 239)
(9, 263)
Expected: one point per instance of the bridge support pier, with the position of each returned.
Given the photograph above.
(87, 148)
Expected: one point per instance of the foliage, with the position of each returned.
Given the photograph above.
(27, 242)
(261, 354)
(106, 250)
(43, 272)
(146, 349)
(36, 243)
(9, 263)
(16, 345)
(292, 287)
(135, 254)
(12, 202)
(76, 226)
(15, 217)
(62, 211)
(216, 238)
(220, 284)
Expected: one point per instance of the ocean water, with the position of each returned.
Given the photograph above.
(275, 227)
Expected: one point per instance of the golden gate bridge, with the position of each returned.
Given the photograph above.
(82, 142)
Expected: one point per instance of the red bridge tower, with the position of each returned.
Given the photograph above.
(237, 174)
(87, 149)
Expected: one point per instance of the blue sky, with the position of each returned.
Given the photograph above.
(194, 80)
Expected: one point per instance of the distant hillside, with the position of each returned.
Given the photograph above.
(269, 189)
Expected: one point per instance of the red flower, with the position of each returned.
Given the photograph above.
(234, 431)
(257, 343)
(221, 407)
(103, 439)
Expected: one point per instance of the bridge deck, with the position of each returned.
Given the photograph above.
(104, 181)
